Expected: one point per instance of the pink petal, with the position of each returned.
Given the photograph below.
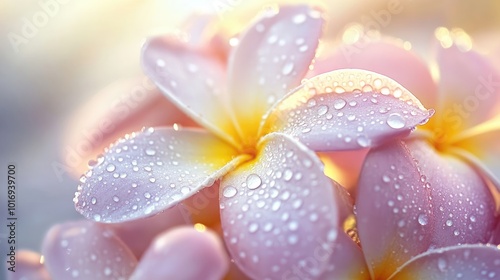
(147, 172)
(347, 109)
(27, 265)
(87, 250)
(149, 228)
(386, 58)
(278, 212)
(463, 206)
(191, 79)
(469, 87)
(411, 199)
(272, 57)
(117, 109)
(184, 254)
(393, 209)
(457, 262)
(346, 259)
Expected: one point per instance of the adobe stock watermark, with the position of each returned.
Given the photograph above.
(31, 25)
(455, 116)
(372, 23)
(121, 109)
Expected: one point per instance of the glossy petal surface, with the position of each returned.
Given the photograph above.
(463, 206)
(347, 109)
(272, 56)
(393, 209)
(278, 212)
(183, 254)
(479, 262)
(86, 250)
(412, 199)
(150, 171)
(469, 87)
(192, 79)
(389, 59)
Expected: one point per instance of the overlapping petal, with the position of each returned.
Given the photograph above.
(417, 199)
(28, 265)
(272, 56)
(183, 254)
(389, 59)
(347, 109)
(149, 228)
(193, 80)
(87, 250)
(463, 206)
(469, 87)
(346, 259)
(278, 212)
(147, 172)
(479, 262)
(393, 209)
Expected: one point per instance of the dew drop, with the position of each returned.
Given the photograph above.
(363, 141)
(229, 191)
(111, 167)
(442, 264)
(300, 18)
(253, 227)
(150, 152)
(422, 219)
(287, 68)
(396, 121)
(253, 181)
(323, 109)
(339, 103)
(93, 200)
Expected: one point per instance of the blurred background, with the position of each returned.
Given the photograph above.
(57, 55)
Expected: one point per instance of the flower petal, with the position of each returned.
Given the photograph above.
(88, 250)
(463, 205)
(389, 59)
(278, 212)
(148, 172)
(346, 109)
(393, 209)
(272, 57)
(149, 228)
(186, 254)
(411, 199)
(469, 87)
(457, 262)
(346, 259)
(191, 79)
(117, 109)
(28, 265)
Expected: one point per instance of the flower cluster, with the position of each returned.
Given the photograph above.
(425, 205)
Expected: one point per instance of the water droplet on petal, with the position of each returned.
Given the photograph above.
(253, 227)
(150, 152)
(287, 68)
(253, 181)
(339, 103)
(111, 167)
(229, 191)
(442, 264)
(396, 121)
(298, 19)
(422, 219)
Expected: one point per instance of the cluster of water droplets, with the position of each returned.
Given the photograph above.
(350, 110)
(282, 56)
(267, 214)
(140, 174)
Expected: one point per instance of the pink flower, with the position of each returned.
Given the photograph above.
(422, 199)
(152, 248)
(276, 204)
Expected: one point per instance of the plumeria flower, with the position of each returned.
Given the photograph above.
(261, 125)
(89, 250)
(431, 196)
